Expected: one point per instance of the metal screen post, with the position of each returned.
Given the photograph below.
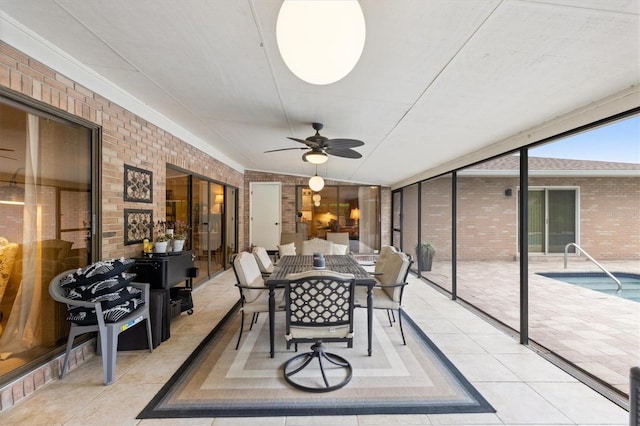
(634, 396)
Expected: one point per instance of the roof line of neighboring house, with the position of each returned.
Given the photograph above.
(540, 166)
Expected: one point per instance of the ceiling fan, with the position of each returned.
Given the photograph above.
(320, 147)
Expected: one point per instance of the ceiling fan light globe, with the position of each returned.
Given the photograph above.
(312, 53)
(316, 183)
(315, 157)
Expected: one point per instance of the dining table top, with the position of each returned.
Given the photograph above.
(345, 264)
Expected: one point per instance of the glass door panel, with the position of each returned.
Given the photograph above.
(562, 220)
(536, 234)
(200, 229)
(230, 220)
(216, 229)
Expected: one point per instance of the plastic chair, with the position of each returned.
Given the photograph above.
(319, 308)
(107, 331)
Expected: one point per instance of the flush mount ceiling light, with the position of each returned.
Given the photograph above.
(315, 157)
(320, 41)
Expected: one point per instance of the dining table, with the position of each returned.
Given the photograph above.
(345, 264)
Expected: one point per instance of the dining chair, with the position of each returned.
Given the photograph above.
(391, 280)
(338, 238)
(254, 295)
(264, 260)
(317, 245)
(319, 308)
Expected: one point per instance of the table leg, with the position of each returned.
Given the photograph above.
(272, 315)
(370, 316)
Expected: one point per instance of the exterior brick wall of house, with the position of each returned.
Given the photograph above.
(126, 138)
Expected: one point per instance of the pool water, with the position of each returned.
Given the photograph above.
(599, 281)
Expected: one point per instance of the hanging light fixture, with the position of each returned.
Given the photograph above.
(316, 183)
(320, 41)
(316, 198)
(12, 194)
(315, 156)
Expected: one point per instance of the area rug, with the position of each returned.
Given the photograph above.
(219, 381)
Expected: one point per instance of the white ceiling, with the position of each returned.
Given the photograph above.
(437, 80)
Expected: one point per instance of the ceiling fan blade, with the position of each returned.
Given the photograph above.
(6, 149)
(345, 153)
(10, 158)
(310, 144)
(284, 149)
(344, 143)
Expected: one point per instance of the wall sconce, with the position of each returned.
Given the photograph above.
(355, 215)
(320, 41)
(508, 192)
(12, 194)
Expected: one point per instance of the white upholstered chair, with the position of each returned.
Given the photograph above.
(317, 245)
(264, 261)
(391, 279)
(254, 296)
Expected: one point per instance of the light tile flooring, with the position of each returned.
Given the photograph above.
(522, 387)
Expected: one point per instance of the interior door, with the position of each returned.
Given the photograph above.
(265, 214)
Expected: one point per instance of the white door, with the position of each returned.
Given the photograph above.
(265, 214)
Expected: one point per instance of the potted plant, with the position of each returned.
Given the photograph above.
(180, 234)
(162, 240)
(425, 252)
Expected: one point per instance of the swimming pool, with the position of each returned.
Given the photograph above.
(599, 281)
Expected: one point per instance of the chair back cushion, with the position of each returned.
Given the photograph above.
(287, 249)
(338, 237)
(317, 245)
(395, 271)
(340, 249)
(262, 258)
(385, 251)
(319, 304)
(248, 274)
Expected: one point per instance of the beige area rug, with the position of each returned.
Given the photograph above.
(218, 381)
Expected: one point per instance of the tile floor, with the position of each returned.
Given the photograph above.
(523, 387)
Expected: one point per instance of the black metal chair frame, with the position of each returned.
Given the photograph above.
(319, 302)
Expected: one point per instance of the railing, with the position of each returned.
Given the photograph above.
(566, 250)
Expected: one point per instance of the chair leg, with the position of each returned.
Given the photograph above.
(389, 313)
(254, 319)
(65, 363)
(401, 330)
(149, 338)
(110, 353)
(241, 328)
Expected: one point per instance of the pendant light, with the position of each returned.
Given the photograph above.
(316, 183)
(320, 41)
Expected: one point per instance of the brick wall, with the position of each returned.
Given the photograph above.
(126, 138)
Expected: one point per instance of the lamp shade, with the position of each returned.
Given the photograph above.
(315, 157)
(316, 183)
(355, 214)
(320, 41)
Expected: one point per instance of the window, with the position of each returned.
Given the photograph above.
(351, 209)
(45, 223)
